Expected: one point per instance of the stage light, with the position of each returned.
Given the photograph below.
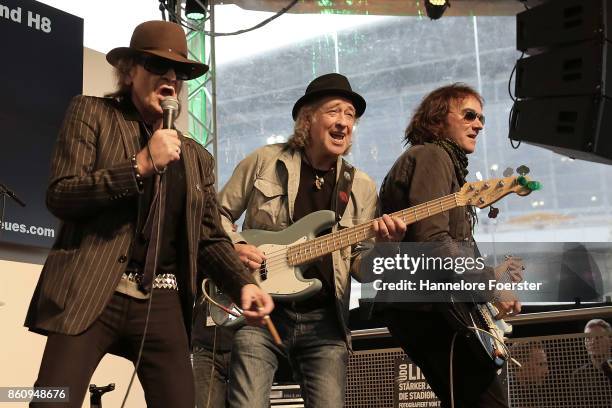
(194, 9)
(435, 8)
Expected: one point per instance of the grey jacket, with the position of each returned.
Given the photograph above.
(265, 185)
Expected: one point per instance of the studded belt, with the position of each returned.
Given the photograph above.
(161, 281)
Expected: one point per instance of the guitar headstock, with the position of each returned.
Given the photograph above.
(484, 193)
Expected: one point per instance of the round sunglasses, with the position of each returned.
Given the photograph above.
(471, 115)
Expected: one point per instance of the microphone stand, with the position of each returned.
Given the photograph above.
(4, 192)
(95, 399)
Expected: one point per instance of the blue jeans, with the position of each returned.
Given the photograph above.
(211, 376)
(314, 345)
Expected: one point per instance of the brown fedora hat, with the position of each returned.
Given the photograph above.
(330, 85)
(162, 39)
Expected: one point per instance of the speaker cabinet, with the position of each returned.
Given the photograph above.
(578, 127)
(573, 70)
(560, 22)
(563, 88)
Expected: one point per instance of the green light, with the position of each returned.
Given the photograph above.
(195, 10)
(195, 16)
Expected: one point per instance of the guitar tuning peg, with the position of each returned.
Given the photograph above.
(508, 172)
(493, 212)
(523, 170)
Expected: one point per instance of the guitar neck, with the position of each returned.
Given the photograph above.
(307, 251)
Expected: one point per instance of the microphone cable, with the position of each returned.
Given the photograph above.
(150, 301)
(146, 326)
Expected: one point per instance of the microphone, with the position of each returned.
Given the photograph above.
(5, 190)
(170, 106)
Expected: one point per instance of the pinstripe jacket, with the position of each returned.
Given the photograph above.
(93, 190)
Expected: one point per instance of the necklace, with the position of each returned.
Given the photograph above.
(319, 180)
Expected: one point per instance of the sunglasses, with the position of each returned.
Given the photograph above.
(160, 66)
(470, 115)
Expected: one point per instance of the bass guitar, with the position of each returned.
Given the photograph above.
(289, 251)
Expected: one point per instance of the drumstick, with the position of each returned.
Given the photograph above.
(270, 325)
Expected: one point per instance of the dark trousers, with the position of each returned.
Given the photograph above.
(426, 337)
(164, 371)
(211, 374)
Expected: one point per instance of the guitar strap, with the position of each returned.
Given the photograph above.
(342, 191)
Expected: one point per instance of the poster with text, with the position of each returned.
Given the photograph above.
(411, 389)
(42, 69)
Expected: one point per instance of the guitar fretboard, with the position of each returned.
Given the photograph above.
(307, 251)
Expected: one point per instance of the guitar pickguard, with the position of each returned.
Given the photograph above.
(281, 280)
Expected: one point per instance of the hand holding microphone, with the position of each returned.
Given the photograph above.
(164, 146)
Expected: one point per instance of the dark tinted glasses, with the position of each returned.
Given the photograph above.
(471, 115)
(160, 66)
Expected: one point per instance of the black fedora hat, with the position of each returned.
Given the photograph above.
(162, 39)
(330, 85)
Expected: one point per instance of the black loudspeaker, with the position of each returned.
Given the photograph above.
(559, 22)
(564, 87)
(574, 70)
(578, 127)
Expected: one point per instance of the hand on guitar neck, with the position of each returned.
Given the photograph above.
(389, 229)
(511, 270)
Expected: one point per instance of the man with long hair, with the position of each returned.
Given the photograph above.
(442, 132)
(108, 285)
(276, 186)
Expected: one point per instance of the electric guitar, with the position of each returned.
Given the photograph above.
(289, 251)
(484, 332)
(480, 324)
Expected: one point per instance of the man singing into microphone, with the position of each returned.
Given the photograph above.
(131, 249)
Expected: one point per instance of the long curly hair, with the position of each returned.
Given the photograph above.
(428, 122)
(301, 129)
(121, 72)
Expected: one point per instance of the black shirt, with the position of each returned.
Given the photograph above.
(174, 218)
(308, 200)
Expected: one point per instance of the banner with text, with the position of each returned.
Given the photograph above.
(42, 70)
(411, 389)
